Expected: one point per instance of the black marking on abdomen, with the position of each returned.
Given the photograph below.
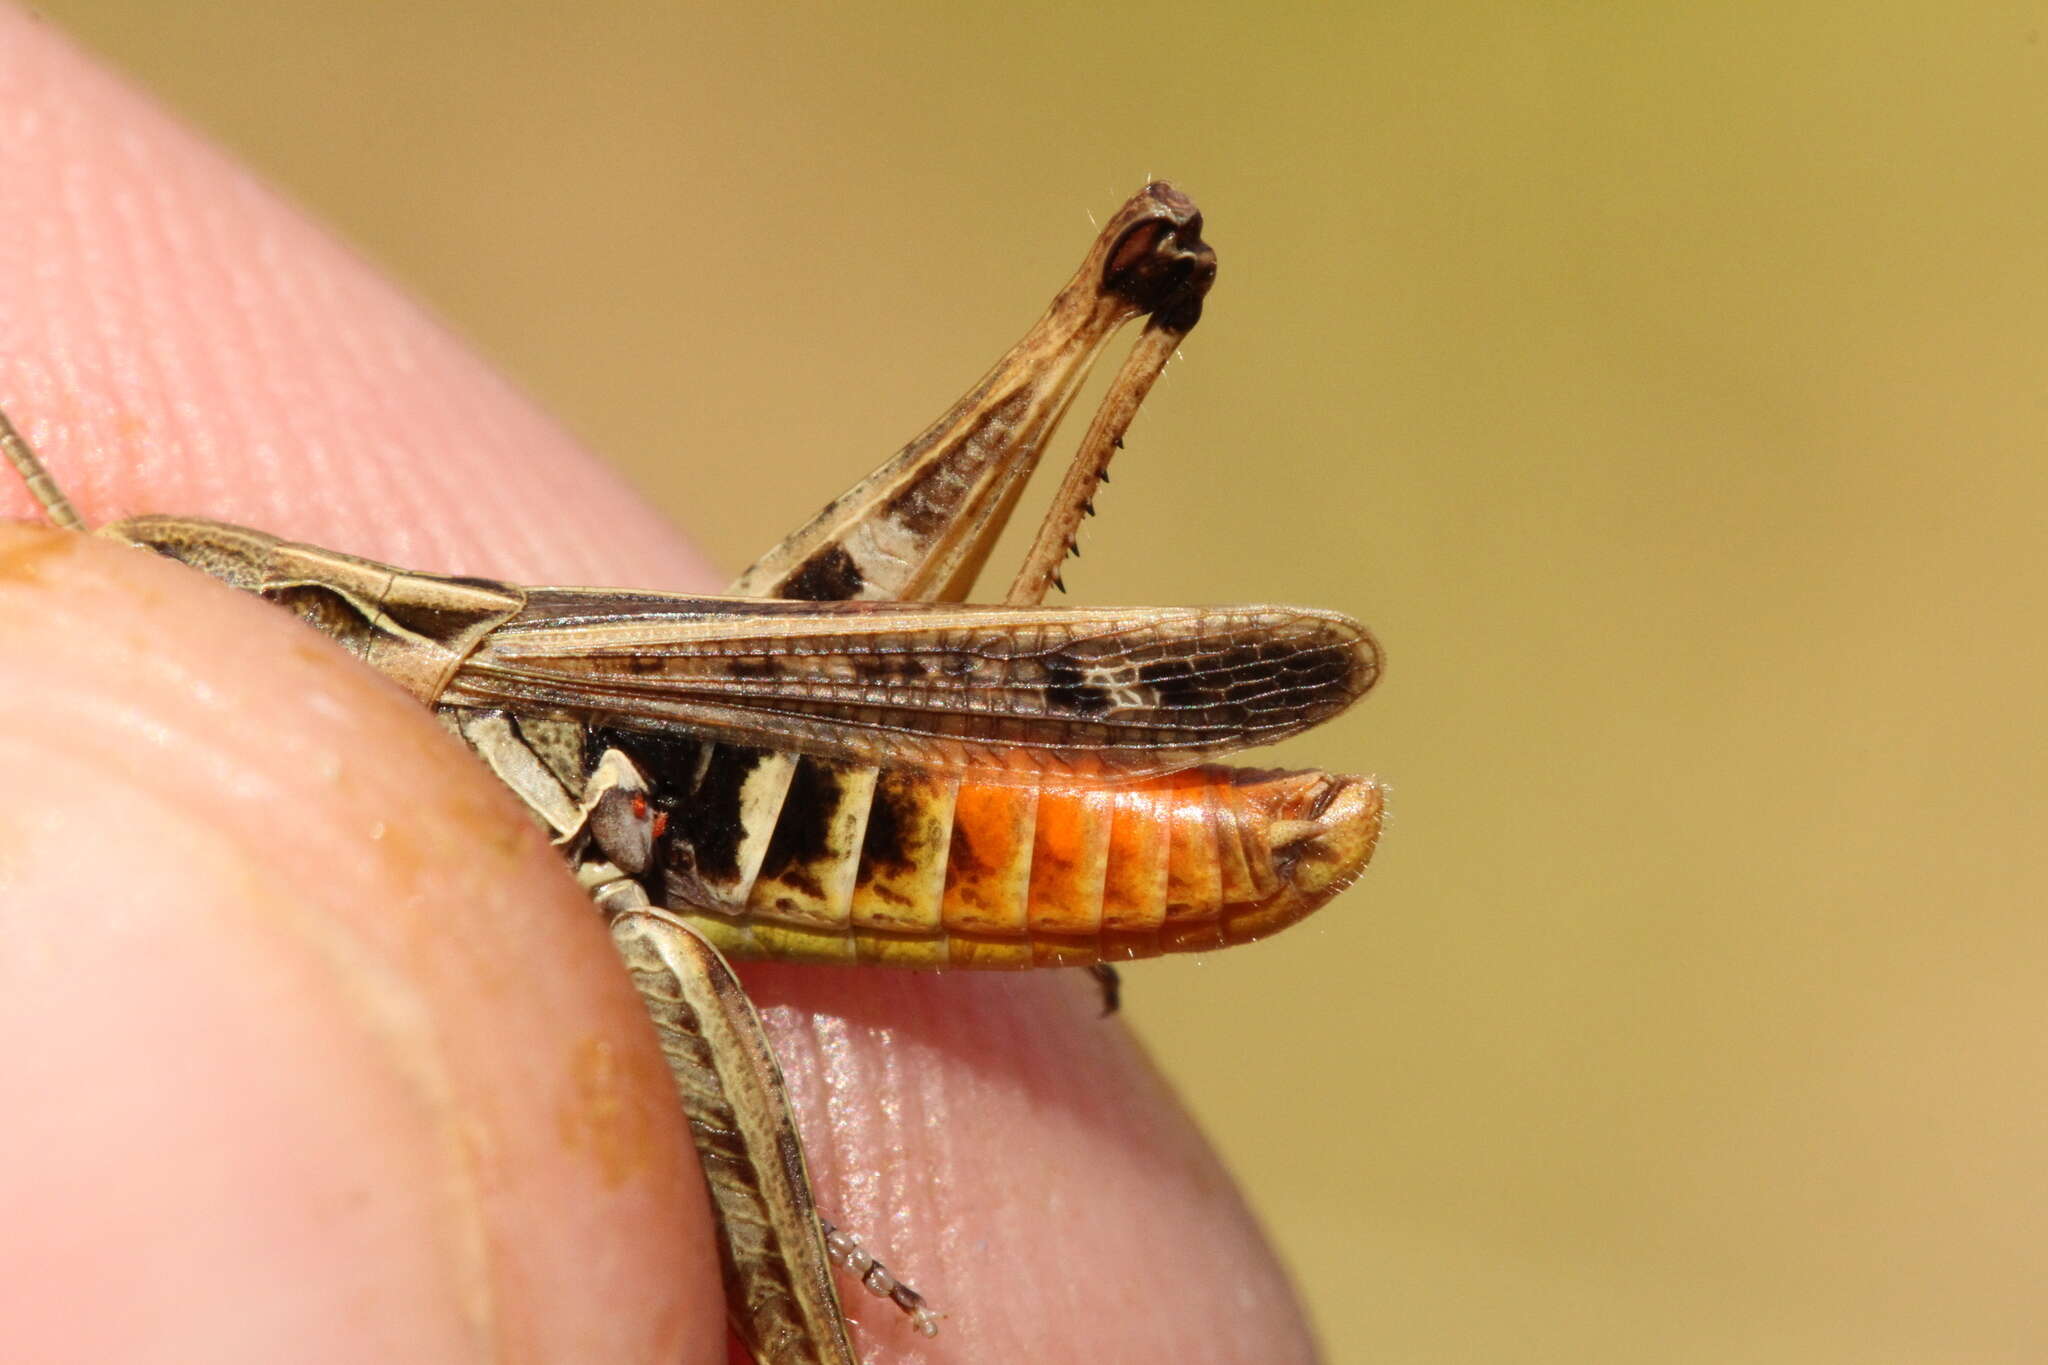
(708, 819)
(669, 763)
(883, 846)
(903, 839)
(803, 829)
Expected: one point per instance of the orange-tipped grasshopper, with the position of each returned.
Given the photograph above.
(864, 771)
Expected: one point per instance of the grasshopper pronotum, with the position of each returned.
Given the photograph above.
(864, 771)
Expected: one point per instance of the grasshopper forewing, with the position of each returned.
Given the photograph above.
(866, 771)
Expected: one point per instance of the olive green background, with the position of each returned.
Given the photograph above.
(1665, 383)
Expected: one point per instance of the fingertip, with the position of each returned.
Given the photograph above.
(305, 1082)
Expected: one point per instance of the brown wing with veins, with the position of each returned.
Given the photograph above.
(1123, 691)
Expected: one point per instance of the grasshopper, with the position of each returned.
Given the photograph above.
(841, 763)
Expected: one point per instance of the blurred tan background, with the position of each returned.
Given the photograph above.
(1665, 383)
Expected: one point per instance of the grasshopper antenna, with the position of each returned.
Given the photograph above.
(41, 486)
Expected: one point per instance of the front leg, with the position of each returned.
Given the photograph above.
(775, 1251)
(778, 1277)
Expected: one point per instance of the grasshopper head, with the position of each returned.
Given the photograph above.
(235, 555)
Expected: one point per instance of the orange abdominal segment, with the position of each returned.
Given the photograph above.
(1134, 883)
(1070, 861)
(989, 864)
(1194, 874)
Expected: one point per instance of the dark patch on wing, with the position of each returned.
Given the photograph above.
(830, 575)
(1066, 688)
(1181, 685)
(1172, 681)
(885, 668)
(1329, 668)
(1252, 682)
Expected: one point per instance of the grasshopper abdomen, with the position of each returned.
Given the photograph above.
(800, 858)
